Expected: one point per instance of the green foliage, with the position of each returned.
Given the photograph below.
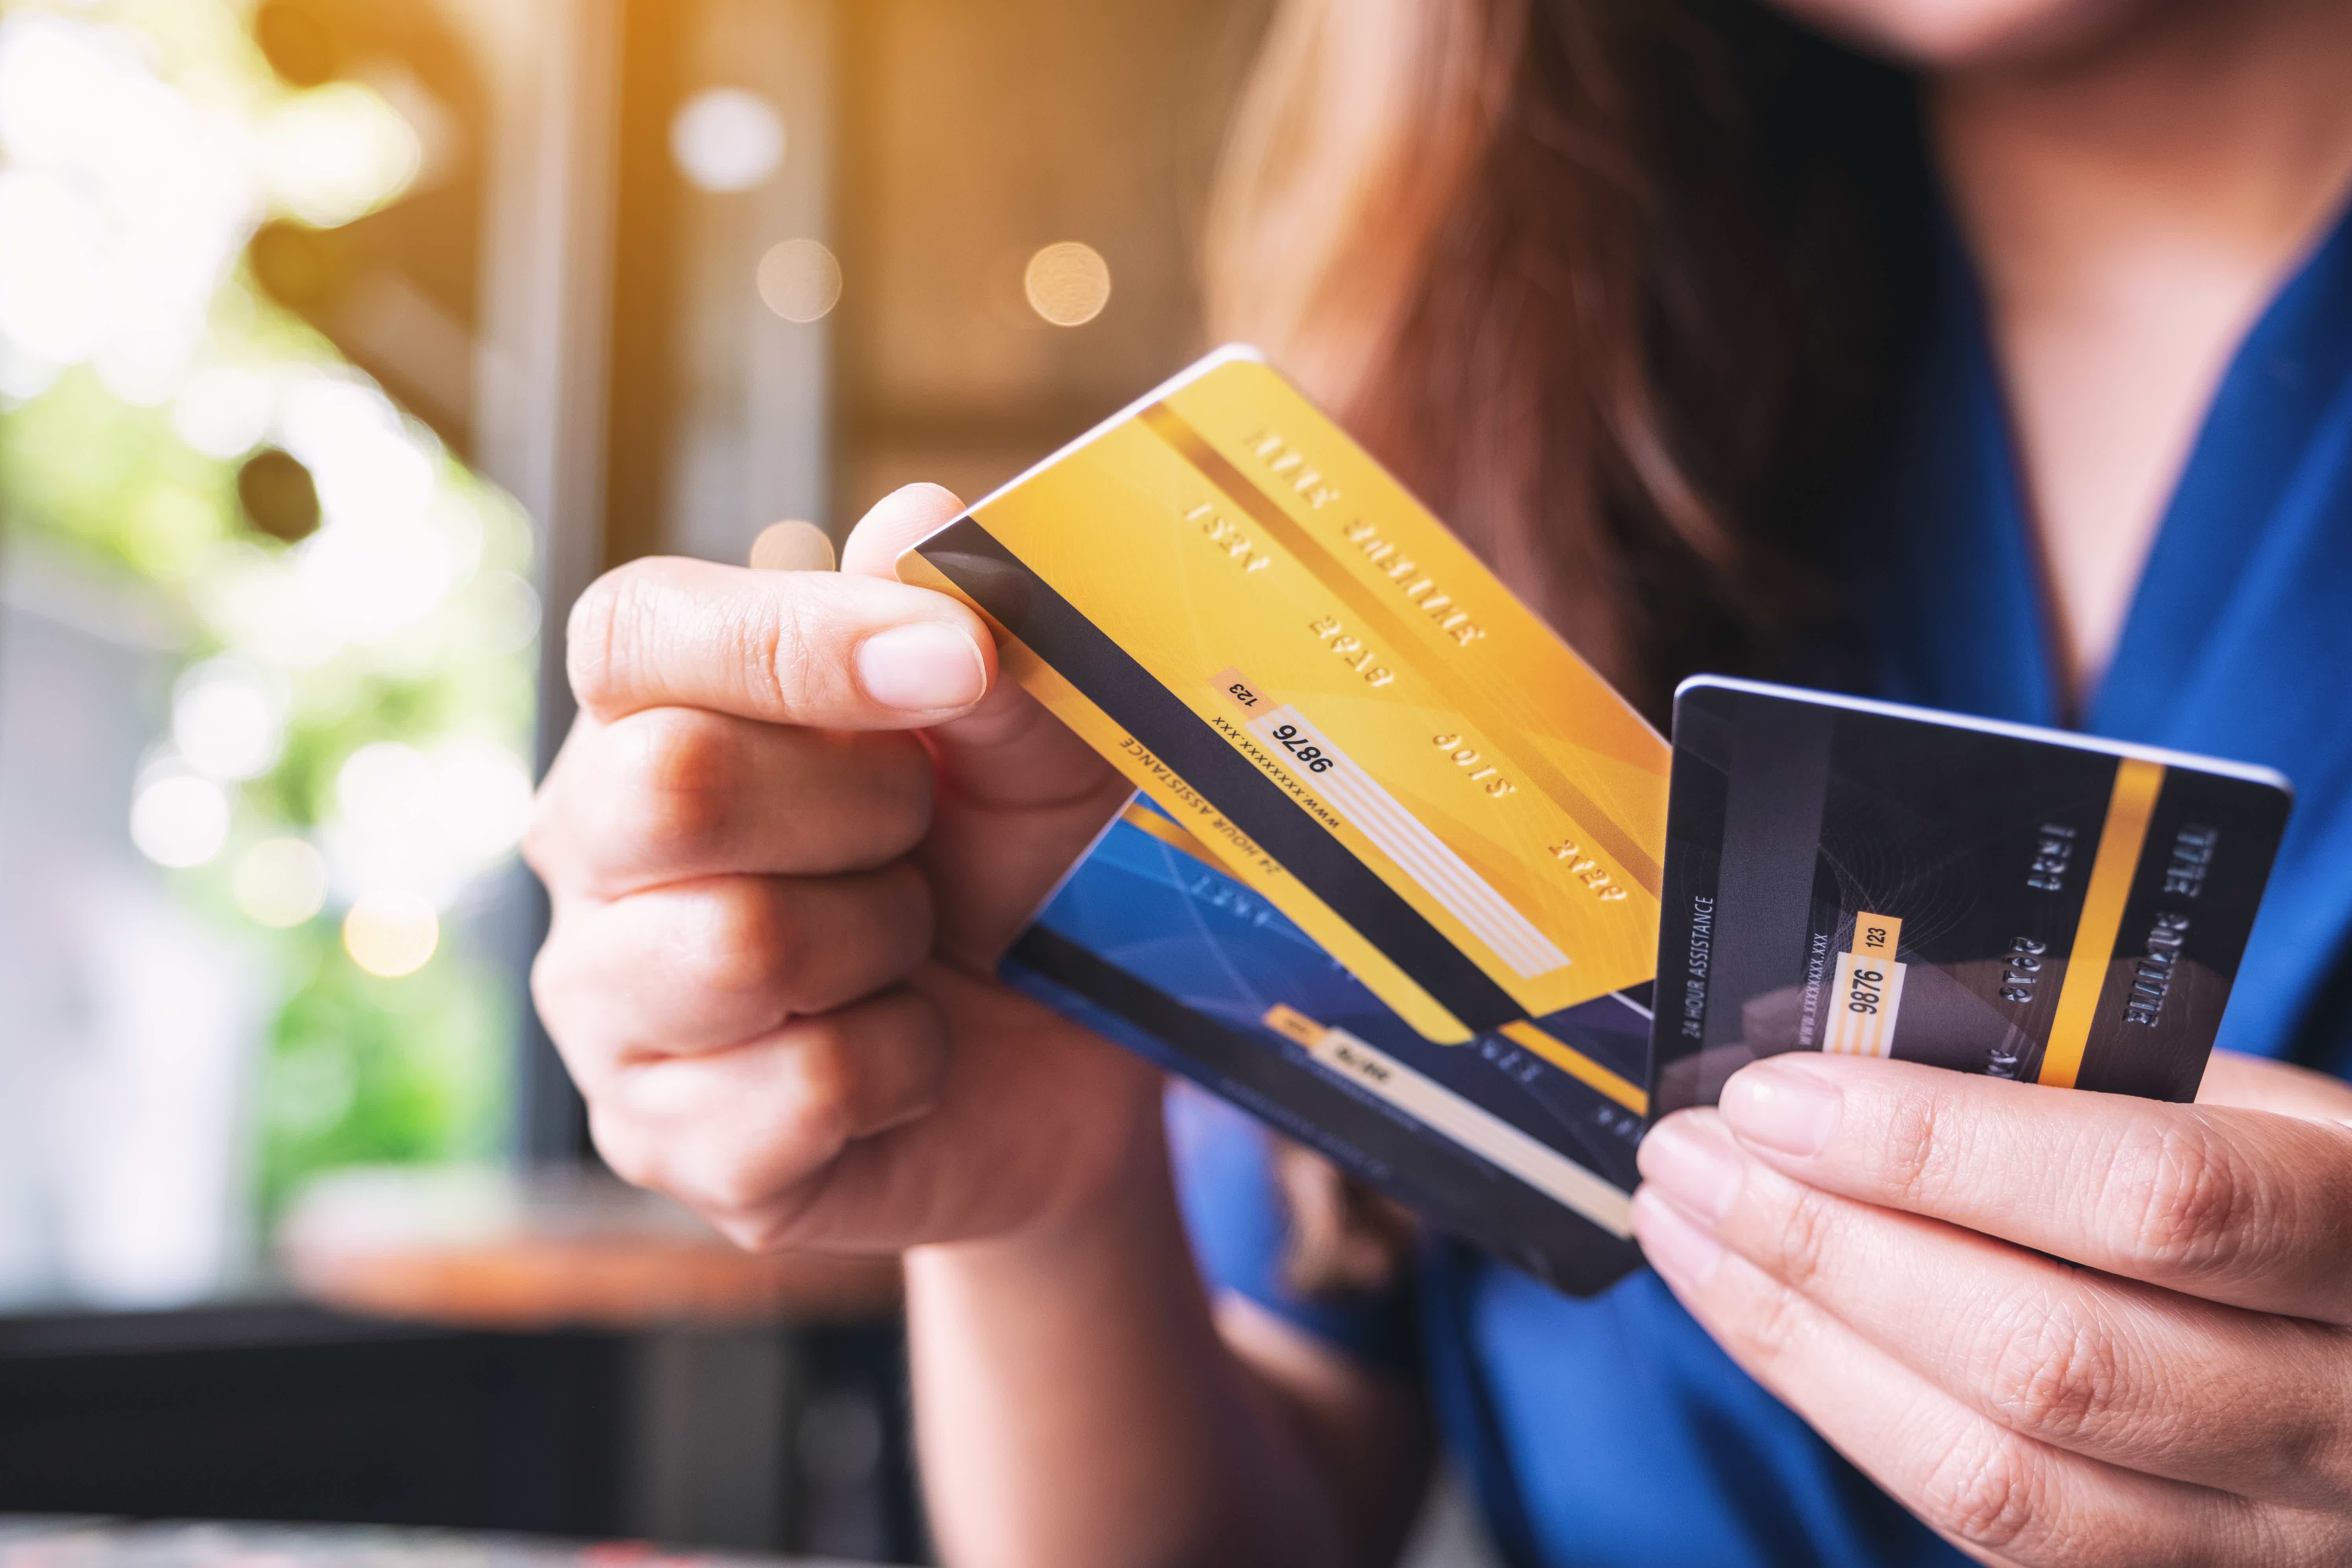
(364, 1070)
(114, 482)
(356, 1067)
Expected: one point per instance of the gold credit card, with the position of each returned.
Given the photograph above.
(1230, 600)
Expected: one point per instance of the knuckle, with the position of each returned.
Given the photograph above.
(913, 913)
(628, 1153)
(736, 1184)
(547, 987)
(545, 848)
(905, 1069)
(760, 1230)
(586, 1051)
(2187, 1200)
(1985, 1489)
(903, 790)
(1916, 1139)
(856, 799)
(732, 1166)
(540, 847)
(782, 649)
(675, 777)
(747, 943)
(1806, 1235)
(2054, 1377)
(1775, 1322)
(600, 639)
(931, 1062)
(827, 1084)
(787, 645)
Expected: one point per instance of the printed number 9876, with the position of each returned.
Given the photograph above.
(1300, 746)
(1869, 990)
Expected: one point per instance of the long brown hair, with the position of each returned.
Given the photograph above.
(1613, 285)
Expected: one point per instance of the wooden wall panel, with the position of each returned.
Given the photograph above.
(975, 135)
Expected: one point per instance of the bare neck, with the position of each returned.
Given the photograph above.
(2131, 207)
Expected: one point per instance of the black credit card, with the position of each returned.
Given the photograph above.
(1861, 878)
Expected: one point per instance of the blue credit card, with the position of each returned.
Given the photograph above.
(1520, 1142)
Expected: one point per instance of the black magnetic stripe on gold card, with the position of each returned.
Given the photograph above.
(999, 582)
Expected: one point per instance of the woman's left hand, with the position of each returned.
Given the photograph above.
(2060, 1327)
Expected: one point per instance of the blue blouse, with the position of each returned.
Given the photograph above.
(1613, 1430)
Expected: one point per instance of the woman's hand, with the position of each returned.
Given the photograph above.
(2060, 1327)
(796, 823)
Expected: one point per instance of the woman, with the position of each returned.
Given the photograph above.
(2015, 378)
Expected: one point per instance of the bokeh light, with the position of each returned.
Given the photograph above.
(370, 582)
(508, 614)
(726, 139)
(338, 153)
(280, 883)
(382, 787)
(254, 602)
(224, 411)
(225, 720)
(368, 467)
(52, 270)
(480, 799)
(123, 204)
(800, 280)
(392, 933)
(792, 545)
(1069, 284)
(179, 819)
(322, 570)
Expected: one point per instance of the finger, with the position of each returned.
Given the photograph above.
(738, 1136)
(2139, 1377)
(670, 793)
(2242, 1206)
(2000, 1495)
(784, 647)
(695, 966)
(2252, 1083)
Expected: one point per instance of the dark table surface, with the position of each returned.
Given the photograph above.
(39, 1542)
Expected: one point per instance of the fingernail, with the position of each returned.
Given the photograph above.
(1675, 1247)
(922, 669)
(1781, 1105)
(1693, 1161)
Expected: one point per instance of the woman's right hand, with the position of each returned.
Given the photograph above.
(797, 821)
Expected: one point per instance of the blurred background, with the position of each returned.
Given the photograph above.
(341, 342)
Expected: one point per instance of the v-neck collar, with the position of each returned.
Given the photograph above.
(2238, 642)
(2256, 430)
(2258, 422)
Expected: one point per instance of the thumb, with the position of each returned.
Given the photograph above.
(1006, 753)
(1021, 795)
(900, 519)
